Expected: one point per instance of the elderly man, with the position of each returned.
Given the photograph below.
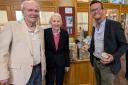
(22, 59)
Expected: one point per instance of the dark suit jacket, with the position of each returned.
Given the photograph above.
(55, 57)
(114, 43)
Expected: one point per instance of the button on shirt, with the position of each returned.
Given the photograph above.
(99, 39)
(36, 45)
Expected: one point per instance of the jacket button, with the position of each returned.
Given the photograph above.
(32, 55)
(31, 65)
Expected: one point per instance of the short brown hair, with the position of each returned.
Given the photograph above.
(95, 1)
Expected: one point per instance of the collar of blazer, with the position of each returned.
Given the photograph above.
(27, 38)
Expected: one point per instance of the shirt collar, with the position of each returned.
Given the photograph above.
(102, 23)
(56, 32)
(36, 30)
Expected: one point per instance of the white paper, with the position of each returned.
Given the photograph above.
(68, 10)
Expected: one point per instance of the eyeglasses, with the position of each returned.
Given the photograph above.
(94, 10)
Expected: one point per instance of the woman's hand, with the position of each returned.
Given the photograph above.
(67, 69)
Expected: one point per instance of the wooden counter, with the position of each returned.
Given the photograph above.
(81, 73)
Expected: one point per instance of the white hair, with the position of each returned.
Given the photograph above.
(55, 14)
(25, 3)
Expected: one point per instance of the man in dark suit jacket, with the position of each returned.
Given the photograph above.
(108, 44)
(56, 51)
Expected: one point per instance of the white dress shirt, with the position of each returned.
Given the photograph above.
(99, 39)
(36, 45)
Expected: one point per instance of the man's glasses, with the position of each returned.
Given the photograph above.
(94, 10)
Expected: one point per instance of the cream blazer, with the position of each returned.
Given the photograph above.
(16, 53)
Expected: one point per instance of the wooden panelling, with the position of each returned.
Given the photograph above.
(47, 3)
(124, 8)
(7, 9)
(69, 76)
(111, 6)
(80, 73)
(81, 9)
(12, 5)
(83, 5)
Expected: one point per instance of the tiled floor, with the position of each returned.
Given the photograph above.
(120, 79)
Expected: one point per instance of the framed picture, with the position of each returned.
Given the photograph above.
(19, 16)
(69, 21)
(69, 30)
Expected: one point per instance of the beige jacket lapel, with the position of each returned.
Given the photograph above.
(41, 36)
(43, 60)
(26, 36)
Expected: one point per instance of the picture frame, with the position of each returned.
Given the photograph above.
(69, 21)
